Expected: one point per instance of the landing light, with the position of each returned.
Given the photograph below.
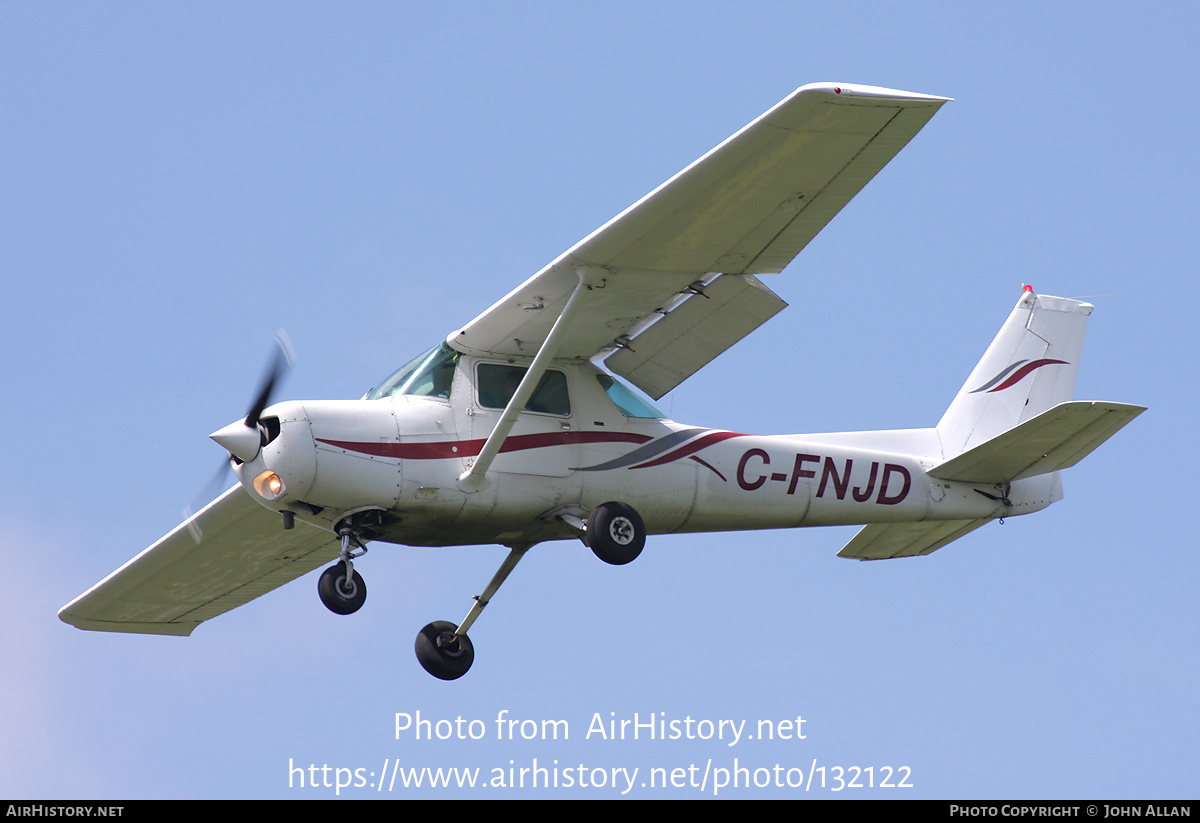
(269, 485)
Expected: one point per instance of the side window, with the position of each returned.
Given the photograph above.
(629, 403)
(497, 383)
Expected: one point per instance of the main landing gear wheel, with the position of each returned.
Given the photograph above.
(442, 654)
(341, 596)
(615, 533)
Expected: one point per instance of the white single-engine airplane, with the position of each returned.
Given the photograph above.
(510, 432)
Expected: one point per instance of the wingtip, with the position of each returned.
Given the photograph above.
(876, 92)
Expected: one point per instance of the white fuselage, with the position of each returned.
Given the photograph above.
(404, 454)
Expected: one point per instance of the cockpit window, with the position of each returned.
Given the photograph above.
(629, 403)
(498, 383)
(429, 375)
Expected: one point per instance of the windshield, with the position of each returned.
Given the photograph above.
(429, 375)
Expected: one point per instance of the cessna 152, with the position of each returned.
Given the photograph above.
(510, 432)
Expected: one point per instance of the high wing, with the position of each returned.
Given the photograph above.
(227, 554)
(676, 269)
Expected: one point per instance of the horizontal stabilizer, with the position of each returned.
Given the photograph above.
(1056, 439)
(886, 540)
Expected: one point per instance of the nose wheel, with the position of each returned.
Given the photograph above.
(342, 589)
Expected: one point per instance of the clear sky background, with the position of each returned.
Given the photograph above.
(181, 180)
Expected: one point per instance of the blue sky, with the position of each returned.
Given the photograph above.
(182, 180)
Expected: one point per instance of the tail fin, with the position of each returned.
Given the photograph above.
(1013, 422)
(1029, 368)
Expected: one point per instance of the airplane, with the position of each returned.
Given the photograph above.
(519, 427)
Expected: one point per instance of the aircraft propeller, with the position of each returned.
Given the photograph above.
(244, 438)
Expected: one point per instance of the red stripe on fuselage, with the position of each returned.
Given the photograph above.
(446, 449)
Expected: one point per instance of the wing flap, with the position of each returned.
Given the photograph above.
(1058, 438)
(883, 541)
(225, 555)
(694, 333)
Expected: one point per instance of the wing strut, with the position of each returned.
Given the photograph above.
(475, 478)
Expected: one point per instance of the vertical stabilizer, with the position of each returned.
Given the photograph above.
(1029, 368)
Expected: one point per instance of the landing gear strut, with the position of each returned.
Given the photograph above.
(614, 531)
(443, 649)
(341, 588)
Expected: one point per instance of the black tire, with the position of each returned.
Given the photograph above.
(336, 595)
(440, 655)
(615, 533)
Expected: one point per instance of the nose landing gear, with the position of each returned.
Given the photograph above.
(341, 588)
